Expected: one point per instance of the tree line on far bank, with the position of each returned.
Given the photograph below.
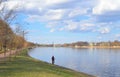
(115, 43)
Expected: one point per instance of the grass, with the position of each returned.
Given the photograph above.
(25, 66)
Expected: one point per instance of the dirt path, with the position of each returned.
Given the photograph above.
(8, 53)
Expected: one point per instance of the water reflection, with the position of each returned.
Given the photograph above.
(99, 62)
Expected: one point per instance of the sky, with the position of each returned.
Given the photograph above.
(66, 21)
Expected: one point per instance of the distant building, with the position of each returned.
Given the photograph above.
(91, 44)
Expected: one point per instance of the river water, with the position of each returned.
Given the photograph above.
(97, 62)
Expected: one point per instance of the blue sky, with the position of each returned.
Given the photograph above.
(65, 21)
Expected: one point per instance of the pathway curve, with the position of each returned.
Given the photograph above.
(8, 53)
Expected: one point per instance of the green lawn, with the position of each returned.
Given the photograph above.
(25, 66)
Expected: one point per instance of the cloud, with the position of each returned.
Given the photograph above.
(104, 6)
(72, 26)
(46, 7)
(54, 14)
(77, 12)
(104, 30)
(107, 11)
(48, 16)
(31, 3)
(72, 15)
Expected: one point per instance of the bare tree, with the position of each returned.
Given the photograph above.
(9, 39)
(7, 16)
(19, 30)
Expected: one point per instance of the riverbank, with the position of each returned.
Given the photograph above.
(25, 66)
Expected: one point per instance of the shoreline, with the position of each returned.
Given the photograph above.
(66, 68)
(62, 67)
(25, 66)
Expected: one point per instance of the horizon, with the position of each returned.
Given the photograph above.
(67, 21)
(79, 41)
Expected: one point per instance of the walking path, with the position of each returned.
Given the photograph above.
(8, 53)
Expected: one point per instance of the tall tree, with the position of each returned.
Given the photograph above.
(6, 18)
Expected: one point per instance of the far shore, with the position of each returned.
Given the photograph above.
(94, 47)
(109, 47)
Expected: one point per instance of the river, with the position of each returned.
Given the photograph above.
(97, 62)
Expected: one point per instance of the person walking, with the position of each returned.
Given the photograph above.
(53, 59)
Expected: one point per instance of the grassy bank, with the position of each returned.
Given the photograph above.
(24, 66)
